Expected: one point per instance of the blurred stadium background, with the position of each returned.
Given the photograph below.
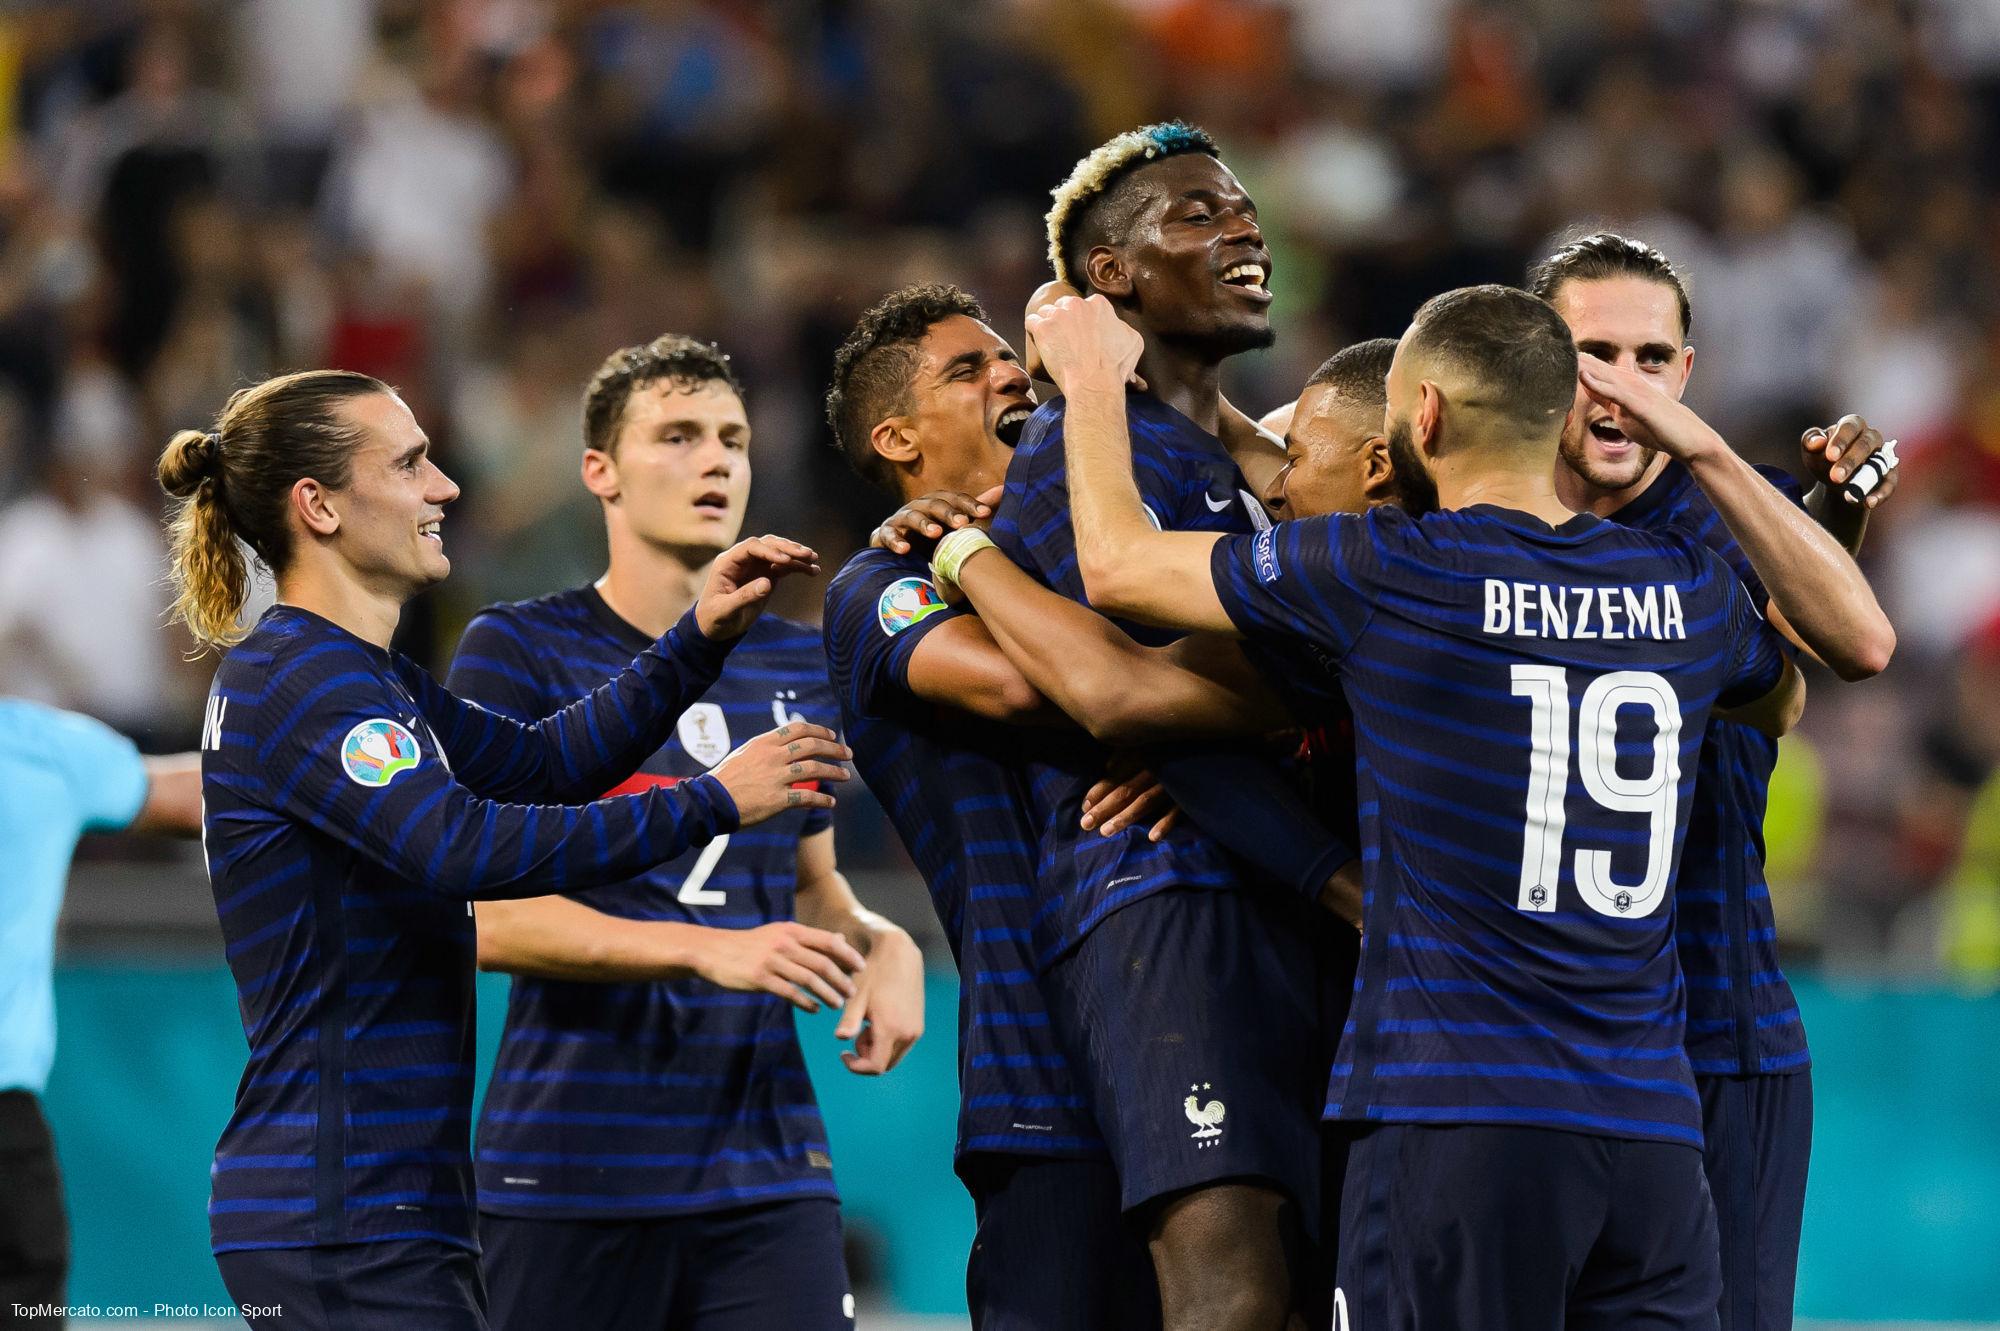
(477, 199)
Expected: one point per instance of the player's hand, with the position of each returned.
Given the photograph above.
(1118, 802)
(1341, 893)
(1084, 343)
(886, 1015)
(929, 517)
(1832, 456)
(803, 966)
(1649, 417)
(773, 772)
(740, 582)
(1048, 293)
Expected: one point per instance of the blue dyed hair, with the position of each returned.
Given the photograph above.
(1098, 173)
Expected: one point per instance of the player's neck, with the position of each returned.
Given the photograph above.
(1185, 380)
(1579, 494)
(649, 587)
(1529, 490)
(334, 594)
(924, 475)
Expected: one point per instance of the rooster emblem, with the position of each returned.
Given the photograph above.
(1207, 1118)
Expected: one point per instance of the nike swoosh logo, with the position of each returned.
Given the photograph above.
(1215, 505)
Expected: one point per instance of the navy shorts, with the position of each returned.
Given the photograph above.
(1759, 1135)
(1193, 1016)
(1054, 1251)
(1468, 1226)
(747, 1269)
(387, 1286)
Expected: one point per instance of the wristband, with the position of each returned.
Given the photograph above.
(953, 551)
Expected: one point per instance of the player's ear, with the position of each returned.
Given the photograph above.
(600, 473)
(894, 440)
(311, 504)
(1687, 369)
(1378, 470)
(1104, 271)
(1428, 417)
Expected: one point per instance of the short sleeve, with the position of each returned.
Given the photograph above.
(1307, 579)
(877, 610)
(1757, 652)
(105, 775)
(1787, 484)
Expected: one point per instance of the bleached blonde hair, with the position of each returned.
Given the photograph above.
(1104, 167)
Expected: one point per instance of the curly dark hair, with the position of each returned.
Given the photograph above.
(1604, 254)
(685, 361)
(874, 366)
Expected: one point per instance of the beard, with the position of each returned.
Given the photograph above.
(1416, 492)
(1223, 340)
(1609, 477)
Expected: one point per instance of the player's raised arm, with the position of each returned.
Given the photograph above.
(592, 744)
(346, 766)
(1118, 690)
(1814, 583)
(1129, 568)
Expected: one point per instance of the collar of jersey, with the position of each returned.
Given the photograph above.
(1662, 494)
(319, 623)
(1575, 529)
(622, 629)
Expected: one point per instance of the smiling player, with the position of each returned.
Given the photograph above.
(1166, 971)
(1629, 310)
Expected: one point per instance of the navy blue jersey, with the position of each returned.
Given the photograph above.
(351, 808)
(671, 1096)
(1528, 703)
(1742, 1017)
(949, 782)
(1187, 483)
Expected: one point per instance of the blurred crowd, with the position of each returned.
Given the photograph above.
(477, 199)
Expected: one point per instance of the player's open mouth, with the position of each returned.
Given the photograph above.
(1612, 438)
(714, 504)
(1012, 421)
(1248, 278)
(430, 530)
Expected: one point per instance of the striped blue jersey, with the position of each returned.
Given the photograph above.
(671, 1096)
(1187, 483)
(1528, 703)
(949, 782)
(352, 807)
(1742, 1018)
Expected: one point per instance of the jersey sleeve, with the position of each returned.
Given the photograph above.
(1032, 525)
(334, 753)
(494, 666)
(1240, 798)
(877, 611)
(1787, 484)
(102, 769)
(1308, 578)
(594, 743)
(1757, 652)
